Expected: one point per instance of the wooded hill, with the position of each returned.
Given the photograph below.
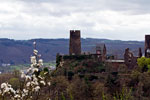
(19, 51)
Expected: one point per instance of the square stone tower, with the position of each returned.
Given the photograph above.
(75, 42)
(147, 45)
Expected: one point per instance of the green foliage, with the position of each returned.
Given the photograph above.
(62, 96)
(124, 95)
(74, 64)
(70, 75)
(81, 70)
(112, 82)
(103, 96)
(141, 62)
(71, 97)
(14, 82)
(76, 57)
(144, 64)
(101, 67)
(42, 73)
(93, 66)
(46, 69)
(134, 78)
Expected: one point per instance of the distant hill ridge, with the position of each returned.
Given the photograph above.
(19, 51)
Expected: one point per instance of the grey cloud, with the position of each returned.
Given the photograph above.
(133, 6)
(46, 18)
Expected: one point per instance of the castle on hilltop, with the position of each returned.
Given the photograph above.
(100, 54)
(75, 47)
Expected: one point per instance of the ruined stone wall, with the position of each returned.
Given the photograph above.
(130, 60)
(75, 42)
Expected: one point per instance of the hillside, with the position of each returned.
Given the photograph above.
(19, 51)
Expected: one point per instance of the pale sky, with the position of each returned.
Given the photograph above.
(110, 19)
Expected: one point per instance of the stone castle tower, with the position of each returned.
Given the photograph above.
(75, 42)
(147, 45)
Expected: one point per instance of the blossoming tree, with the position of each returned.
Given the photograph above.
(35, 79)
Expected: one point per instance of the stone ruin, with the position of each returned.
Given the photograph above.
(100, 52)
(129, 59)
(100, 55)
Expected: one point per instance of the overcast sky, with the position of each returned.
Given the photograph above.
(111, 19)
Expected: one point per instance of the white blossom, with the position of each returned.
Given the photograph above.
(42, 82)
(45, 73)
(23, 75)
(34, 43)
(35, 52)
(40, 62)
(29, 69)
(12, 90)
(17, 91)
(49, 83)
(3, 85)
(40, 77)
(23, 95)
(35, 70)
(35, 79)
(33, 60)
(25, 91)
(6, 88)
(37, 88)
(17, 96)
(27, 77)
(28, 84)
(36, 83)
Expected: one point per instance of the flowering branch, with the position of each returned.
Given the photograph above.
(33, 81)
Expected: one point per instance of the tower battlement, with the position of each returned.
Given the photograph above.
(75, 42)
